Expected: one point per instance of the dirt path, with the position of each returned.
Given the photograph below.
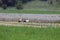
(32, 17)
(40, 17)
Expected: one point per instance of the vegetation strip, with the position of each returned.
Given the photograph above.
(37, 25)
(30, 11)
(28, 33)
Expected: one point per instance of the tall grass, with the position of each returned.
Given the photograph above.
(28, 33)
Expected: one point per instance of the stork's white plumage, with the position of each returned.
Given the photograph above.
(27, 20)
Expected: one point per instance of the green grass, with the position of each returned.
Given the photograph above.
(29, 11)
(28, 33)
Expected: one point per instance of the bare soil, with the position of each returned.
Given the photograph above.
(11, 20)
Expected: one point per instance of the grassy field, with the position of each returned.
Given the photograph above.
(28, 33)
(27, 11)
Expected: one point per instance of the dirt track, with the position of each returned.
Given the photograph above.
(31, 17)
(6, 19)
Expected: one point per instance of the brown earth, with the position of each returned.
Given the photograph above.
(41, 19)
